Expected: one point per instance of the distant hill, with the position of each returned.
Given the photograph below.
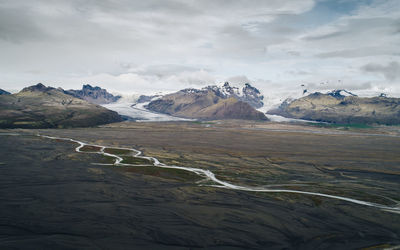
(210, 102)
(39, 106)
(94, 95)
(3, 92)
(341, 106)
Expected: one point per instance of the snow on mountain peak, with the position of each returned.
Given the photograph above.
(340, 93)
(245, 93)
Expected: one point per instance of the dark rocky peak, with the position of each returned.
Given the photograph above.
(340, 93)
(250, 89)
(247, 93)
(88, 87)
(230, 90)
(3, 92)
(94, 95)
(252, 96)
(38, 87)
(215, 89)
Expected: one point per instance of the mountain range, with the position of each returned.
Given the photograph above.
(247, 93)
(212, 102)
(342, 107)
(39, 106)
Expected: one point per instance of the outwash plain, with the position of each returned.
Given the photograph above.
(56, 198)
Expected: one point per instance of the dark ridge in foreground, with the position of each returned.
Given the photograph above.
(342, 107)
(39, 106)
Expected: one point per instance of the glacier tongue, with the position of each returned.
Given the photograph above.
(139, 113)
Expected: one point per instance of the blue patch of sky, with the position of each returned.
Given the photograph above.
(323, 12)
(326, 11)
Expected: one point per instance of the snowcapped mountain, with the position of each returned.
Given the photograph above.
(211, 102)
(343, 107)
(233, 102)
(340, 93)
(247, 93)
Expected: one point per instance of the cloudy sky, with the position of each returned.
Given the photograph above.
(164, 45)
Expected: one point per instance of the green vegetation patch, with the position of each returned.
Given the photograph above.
(202, 122)
(136, 161)
(88, 148)
(341, 125)
(168, 173)
(116, 151)
(107, 159)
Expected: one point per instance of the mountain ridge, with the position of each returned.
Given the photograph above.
(210, 102)
(335, 107)
(39, 106)
(94, 95)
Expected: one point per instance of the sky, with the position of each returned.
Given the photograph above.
(132, 46)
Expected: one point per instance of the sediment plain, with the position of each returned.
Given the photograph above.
(55, 197)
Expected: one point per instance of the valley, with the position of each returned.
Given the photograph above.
(360, 164)
(170, 124)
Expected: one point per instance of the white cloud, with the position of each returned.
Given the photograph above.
(391, 71)
(145, 84)
(154, 45)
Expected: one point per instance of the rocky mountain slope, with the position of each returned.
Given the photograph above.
(94, 95)
(341, 106)
(247, 93)
(3, 92)
(210, 102)
(39, 106)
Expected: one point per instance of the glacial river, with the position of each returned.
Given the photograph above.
(211, 176)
